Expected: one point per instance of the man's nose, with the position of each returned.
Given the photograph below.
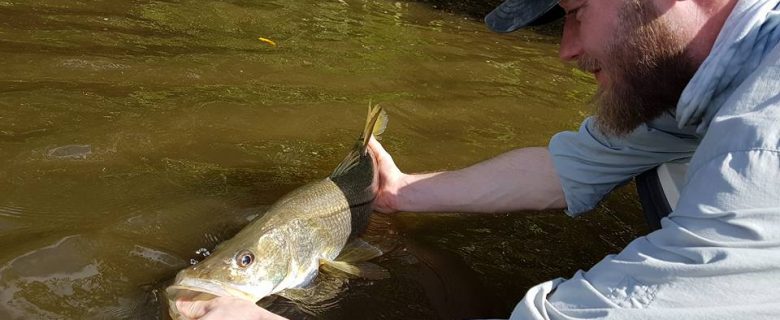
(571, 47)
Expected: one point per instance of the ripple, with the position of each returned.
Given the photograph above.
(157, 256)
(11, 211)
(27, 278)
(94, 276)
(72, 151)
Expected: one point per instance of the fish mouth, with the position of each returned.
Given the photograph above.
(201, 290)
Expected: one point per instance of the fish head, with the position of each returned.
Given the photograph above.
(243, 268)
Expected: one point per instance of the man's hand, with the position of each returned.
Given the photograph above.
(388, 179)
(224, 308)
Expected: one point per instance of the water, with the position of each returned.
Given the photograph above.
(134, 133)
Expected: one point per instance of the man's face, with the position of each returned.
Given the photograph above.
(641, 65)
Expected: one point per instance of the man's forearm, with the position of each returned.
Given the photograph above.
(522, 179)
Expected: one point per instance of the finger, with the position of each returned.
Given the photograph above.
(192, 309)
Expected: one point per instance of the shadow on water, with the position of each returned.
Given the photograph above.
(550, 24)
(474, 9)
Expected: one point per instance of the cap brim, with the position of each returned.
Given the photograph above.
(515, 14)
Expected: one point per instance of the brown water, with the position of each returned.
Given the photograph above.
(134, 133)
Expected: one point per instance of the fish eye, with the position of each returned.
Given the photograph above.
(245, 258)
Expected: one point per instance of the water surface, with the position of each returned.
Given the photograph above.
(134, 133)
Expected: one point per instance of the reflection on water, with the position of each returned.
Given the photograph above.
(134, 133)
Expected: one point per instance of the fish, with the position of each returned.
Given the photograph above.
(314, 227)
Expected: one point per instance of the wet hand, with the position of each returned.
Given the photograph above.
(388, 179)
(224, 308)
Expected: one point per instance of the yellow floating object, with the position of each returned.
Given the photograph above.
(268, 41)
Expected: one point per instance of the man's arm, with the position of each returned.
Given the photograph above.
(522, 179)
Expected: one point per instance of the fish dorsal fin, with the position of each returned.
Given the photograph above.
(376, 122)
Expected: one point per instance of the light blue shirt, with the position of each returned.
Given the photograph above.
(717, 255)
(591, 164)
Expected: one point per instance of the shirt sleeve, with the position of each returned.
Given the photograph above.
(591, 164)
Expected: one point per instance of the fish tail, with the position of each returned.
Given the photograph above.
(376, 122)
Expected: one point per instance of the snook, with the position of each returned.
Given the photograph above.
(303, 230)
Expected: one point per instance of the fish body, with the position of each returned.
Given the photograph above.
(284, 248)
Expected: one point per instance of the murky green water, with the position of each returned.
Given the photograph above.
(133, 133)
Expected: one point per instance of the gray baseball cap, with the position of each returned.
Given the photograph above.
(515, 14)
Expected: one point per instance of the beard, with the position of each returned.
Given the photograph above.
(649, 66)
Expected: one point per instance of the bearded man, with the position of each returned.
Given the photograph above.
(678, 80)
(694, 80)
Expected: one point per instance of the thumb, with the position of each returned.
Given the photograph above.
(193, 309)
(378, 150)
(384, 160)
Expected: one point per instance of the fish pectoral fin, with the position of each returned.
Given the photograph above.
(319, 296)
(366, 270)
(353, 261)
(358, 250)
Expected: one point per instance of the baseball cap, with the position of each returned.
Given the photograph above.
(515, 14)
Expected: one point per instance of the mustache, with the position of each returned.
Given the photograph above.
(588, 64)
